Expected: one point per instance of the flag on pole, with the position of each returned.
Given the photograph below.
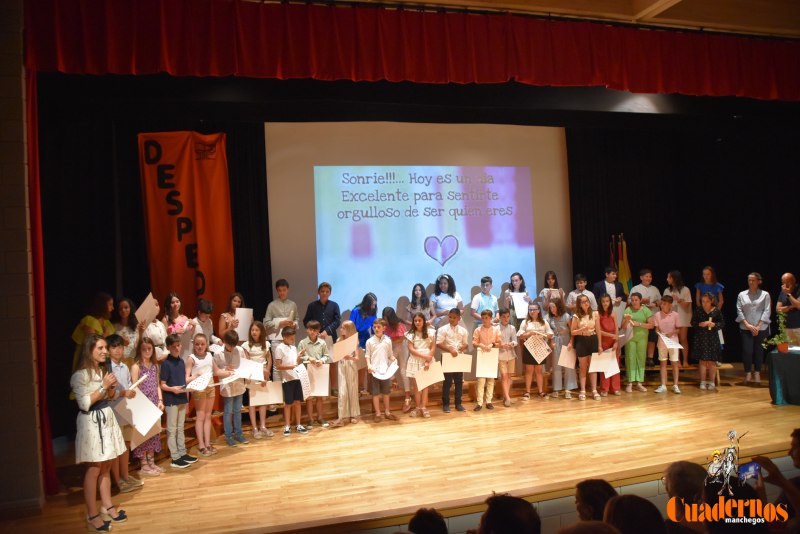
(612, 252)
(624, 270)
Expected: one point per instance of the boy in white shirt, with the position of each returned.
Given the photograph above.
(580, 289)
(453, 338)
(379, 357)
(285, 362)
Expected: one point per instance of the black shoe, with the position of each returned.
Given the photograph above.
(446, 409)
(489, 406)
(461, 408)
(478, 408)
(180, 463)
(188, 459)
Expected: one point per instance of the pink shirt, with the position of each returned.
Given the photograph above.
(667, 325)
(397, 334)
(485, 336)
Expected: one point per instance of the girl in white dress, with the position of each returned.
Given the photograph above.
(421, 350)
(257, 349)
(99, 439)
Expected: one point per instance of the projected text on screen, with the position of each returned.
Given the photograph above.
(384, 228)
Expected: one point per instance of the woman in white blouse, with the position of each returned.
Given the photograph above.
(752, 313)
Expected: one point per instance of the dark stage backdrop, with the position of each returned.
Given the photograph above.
(94, 228)
(693, 186)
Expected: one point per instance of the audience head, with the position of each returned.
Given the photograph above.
(509, 515)
(632, 514)
(591, 497)
(427, 521)
(794, 451)
(685, 480)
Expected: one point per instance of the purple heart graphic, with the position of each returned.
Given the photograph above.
(443, 250)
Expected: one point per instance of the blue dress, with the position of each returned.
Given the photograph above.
(363, 325)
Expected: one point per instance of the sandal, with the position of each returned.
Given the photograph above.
(568, 395)
(407, 405)
(426, 414)
(414, 413)
(353, 421)
(121, 516)
(526, 396)
(106, 527)
(595, 395)
(582, 395)
(543, 395)
(337, 423)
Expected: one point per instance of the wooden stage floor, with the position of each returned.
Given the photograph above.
(368, 471)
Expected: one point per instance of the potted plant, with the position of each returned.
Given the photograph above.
(781, 339)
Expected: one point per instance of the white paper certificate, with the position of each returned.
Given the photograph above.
(147, 310)
(388, 373)
(319, 377)
(601, 361)
(302, 374)
(245, 318)
(250, 369)
(538, 347)
(456, 364)
(520, 304)
(138, 412)
(669, 343)
(344, 347)
(433, 375)
(486, 363)
(262, 393)
(567, 357)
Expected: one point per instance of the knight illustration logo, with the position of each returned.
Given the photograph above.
(724, 477)
(205, 151)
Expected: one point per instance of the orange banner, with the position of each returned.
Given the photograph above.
(187, 211)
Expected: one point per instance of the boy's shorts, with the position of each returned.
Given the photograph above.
(673, 354)
(292, 392)
(380, 387)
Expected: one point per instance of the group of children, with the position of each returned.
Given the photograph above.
(592, 328)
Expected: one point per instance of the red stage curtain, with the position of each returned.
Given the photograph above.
(361, 43)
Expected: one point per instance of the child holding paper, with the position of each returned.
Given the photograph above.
(585, 328)
(173, 386)
(396, 330)
(348, 399)
(286, 359)
(227, 319)
(379, 358)
(145, 365)
(533, 325)
(174, 319)
(609, 339)
(203, 321)
(232, 392)
(452, 338)
(256, 348)
(507, 355)
(562, 377)
(314, 351)
(666, 322)
(420, 347)
(198, 363)
(484, 338)
(119, 467)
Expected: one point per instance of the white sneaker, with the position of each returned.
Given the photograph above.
(711, 386)
(661, 389)
(676, 389)
(702, 385)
